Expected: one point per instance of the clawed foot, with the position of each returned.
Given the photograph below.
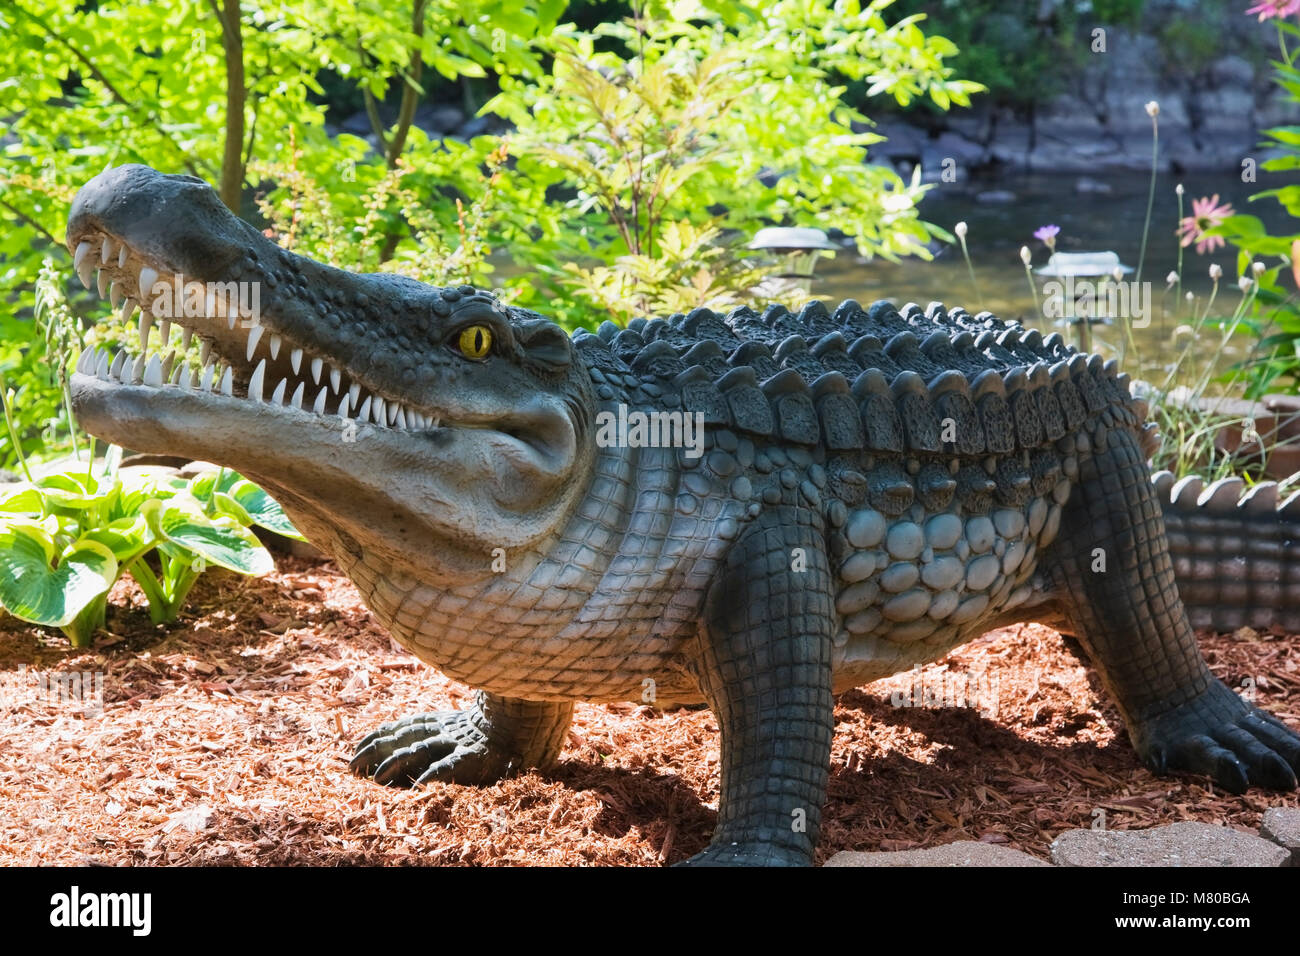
(1232, 741)
(746, 854)
(444, 746)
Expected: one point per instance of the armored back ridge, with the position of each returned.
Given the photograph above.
(752, 510)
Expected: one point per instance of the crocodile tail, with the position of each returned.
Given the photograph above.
(1236, 552)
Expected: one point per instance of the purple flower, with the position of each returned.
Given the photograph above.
(1206, 214)
(1047, 235)
(1268, 9)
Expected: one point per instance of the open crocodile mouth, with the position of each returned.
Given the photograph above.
(241, 355)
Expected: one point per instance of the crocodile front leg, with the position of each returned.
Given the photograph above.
(764, 666)
(1112, 566)
(481, 744)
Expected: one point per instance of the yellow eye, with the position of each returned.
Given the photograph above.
(475, 341)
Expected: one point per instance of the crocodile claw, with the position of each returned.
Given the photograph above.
(1233, 742)
(444, 746)
(745, 854)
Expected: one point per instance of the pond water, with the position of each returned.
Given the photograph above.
(1096, 221)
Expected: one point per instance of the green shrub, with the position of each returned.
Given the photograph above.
(717, 117)
(66, 538)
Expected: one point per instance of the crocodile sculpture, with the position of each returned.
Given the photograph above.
(870, 488)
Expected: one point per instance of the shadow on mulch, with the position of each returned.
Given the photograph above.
(225, 736)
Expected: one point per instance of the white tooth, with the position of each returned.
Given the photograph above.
(146, 323)
(194, 379)
(83, 247)
(336, 379)
(295, 360)
(343, 407)
(274, 344)
(437, 422)
(114, 294)
(106, 250)
(81, 360)
(316, 365)
(164, 332)
(124, 376)
(118, 361)
(182, 376)
(401, 417)
(186, 336)
(167, 364)
(205, 380)
(354, 392)
(227, 383)
(101, 283)
(85, 273)
(205, 349)
(101, 365)
(254, 334)
(121, 257)
(231, 319)
(153, 374)
(319, 407)
(377, 411)
(255, 382)
(296, 401)
(393, 409)
(128, 308)
(137, 370)
(363, 413)
(147, 278)
(277, 397)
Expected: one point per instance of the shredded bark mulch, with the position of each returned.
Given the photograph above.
(224, 740)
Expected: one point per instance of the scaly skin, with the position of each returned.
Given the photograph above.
(872, 489)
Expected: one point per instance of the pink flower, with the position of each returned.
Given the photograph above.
(1206, 214)
(1047, 234)
(1268, 9)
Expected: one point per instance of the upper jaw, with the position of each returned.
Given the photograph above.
(166, 246)
(299, 364)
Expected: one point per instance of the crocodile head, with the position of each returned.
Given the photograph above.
(430, 425)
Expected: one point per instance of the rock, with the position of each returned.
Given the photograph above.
(961, 853)
(358, 124)
(438, 120)
(1179, 844)
(959, 148)
(474, 127)
(1282, 826)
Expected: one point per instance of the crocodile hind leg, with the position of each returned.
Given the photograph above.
(483, 743)
(1132, 625)
(764, 665)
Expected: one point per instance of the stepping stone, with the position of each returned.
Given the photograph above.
(961, 853)
(1282, 826)
(1179, 844)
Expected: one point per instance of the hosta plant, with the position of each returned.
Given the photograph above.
(66, 538)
